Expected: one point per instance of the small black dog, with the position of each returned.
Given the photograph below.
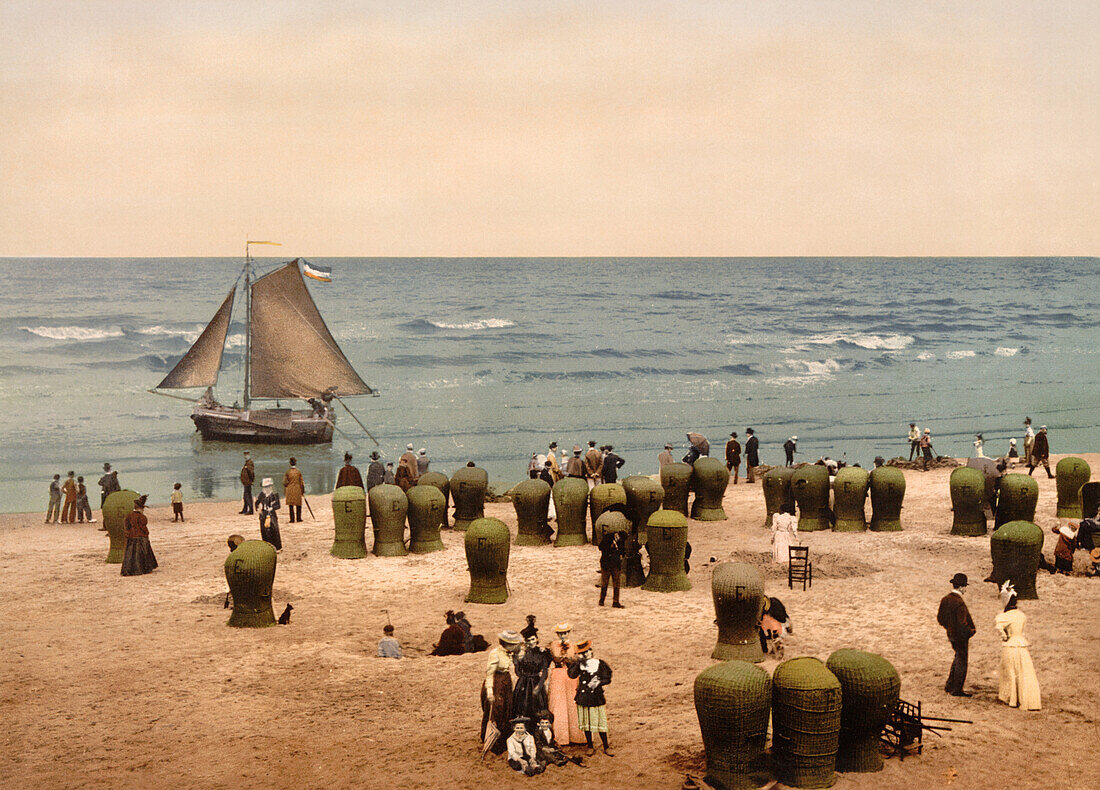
(284, 618)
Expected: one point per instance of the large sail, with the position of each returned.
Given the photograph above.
(199, 366)
(293, 355)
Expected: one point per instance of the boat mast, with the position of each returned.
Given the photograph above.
(248, 315)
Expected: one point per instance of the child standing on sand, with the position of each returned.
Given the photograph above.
(177, 503)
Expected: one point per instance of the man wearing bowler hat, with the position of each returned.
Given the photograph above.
(955, 618)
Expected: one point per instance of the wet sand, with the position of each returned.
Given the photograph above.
(137, 682)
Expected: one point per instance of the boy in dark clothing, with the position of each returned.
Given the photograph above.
(612, 548)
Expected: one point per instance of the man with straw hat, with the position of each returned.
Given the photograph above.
(592, 674)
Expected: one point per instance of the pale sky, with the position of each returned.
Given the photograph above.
(868, 127)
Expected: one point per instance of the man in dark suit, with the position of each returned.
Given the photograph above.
(752, 455)
(955, 618)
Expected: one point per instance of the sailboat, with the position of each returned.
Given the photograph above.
(289, 354)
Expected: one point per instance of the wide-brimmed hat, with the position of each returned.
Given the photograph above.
(509, 638)
(563, 627)
(139, 503)
(266, 482)
(576, 448)
(423, 451)
(794, 438)
(408, 446)
(959, 580)
(928, 430)
(1095, 555)
(553, 444)
(235, 541)
(584, 646)
(668, 446)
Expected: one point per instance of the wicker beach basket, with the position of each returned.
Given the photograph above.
(115, 509)
(887, 494)
(440, 481)
(733, 702)
(667, 538)
(388, 508)
(806, 714)
(468, 487)
(850, 499)
(676, 481)
(967, 488)
(570, 507)
(1015, 548)
(427, 509)
(738, 592)
(777, 491)
(869, 688)
(250, 571)
(709, 478)
(349, 516)
(810, 486)
(487, 558)
(531, 499)
(1017, 500)
(1072, 473)
(601, 497)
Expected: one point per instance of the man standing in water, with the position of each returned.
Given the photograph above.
(752, 455)
(248, 477)
(790, 447)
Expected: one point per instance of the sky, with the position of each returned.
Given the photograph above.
(549, 128)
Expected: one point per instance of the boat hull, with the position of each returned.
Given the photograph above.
(263, 426)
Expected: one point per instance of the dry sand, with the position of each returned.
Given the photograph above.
(119, 682)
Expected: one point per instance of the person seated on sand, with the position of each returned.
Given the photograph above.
(774, 625)
(1067, 544)
(452, 642)
(1094, 563)
(388, 647)
(549, 753)
(522, 752)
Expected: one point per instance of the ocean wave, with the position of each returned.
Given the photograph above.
(79, 333)
(815, 367)
(924, 356)
(1005, 351)
(190, 335)
(485, 323)
(895, 342)
(964, 353)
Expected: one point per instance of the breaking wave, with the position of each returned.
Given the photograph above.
(485, 323)
(965, 353)
(895, 342)
(80, 333)
(1005, 351)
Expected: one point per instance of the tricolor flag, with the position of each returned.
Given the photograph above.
(316, 272)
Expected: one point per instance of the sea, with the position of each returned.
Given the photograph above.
(490, 359)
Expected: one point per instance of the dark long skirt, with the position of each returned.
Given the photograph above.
(501, 712)
(269, 530)
(529, 698)
(138, 559)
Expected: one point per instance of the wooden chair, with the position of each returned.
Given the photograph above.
(799, 567)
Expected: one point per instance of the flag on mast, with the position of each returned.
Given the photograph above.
(315, 272)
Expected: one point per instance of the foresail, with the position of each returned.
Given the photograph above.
(199, 366)
(293, 353)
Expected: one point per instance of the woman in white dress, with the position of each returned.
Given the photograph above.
(784, 533)
(1019, 685)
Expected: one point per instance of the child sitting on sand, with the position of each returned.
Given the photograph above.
(388, 647)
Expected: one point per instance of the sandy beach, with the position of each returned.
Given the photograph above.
(137, 682)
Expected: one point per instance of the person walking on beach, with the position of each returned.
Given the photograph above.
(177, 502)
(955, 618)
(376, 473)
(914, 440)
(593, 465)
(68, 510)
(790, 447)
(665, 457)
(53, 511)
(349, 475)
(408, 460)
(1029, 440)
(294, 489)
(268, 504)
(108, 484)
(926, 447)
(733, 456)
(612, 463)
(752, 455)
(422, 462)
(248, 477)
(1040, 452)
(138, 558)
(83, 508)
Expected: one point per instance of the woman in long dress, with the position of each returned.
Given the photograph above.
(784, 533)
(1019, 685)
(496, 691)
(562, 688)
(138, 558)
(532, 669)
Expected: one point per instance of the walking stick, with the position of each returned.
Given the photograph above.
(308, 507)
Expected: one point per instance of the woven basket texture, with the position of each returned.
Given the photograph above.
(967, 488)
(571, 508)
(709, 478)
(531, 499)
(117, 505)
(426, 510)
(668, 532)
(388, 508)
(487, 558)
(738, 592)
(806, 712)
(468, 487)
(440, 481)
(644, 496)
(1072, 473)
(602, 497)
(870, 686)
(810, 487)
(1015, 548)
(250, 572)
(349, 515)
(777, 491)
(676, 481)
(887, 493)
(732, 703)
(1018, 497)
(850, 498)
